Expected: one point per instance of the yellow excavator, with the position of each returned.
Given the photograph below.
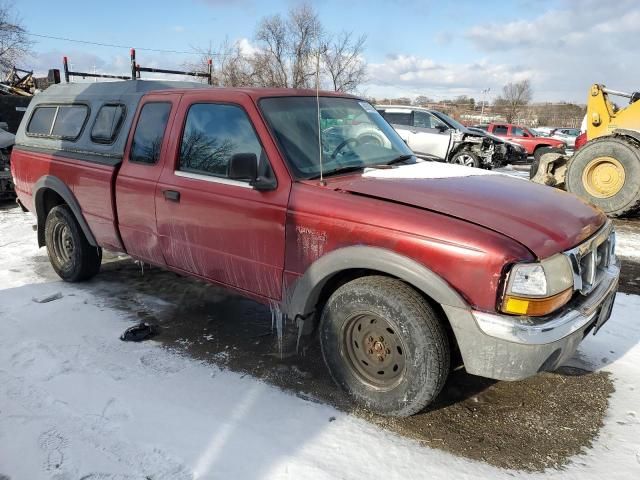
(606, 170)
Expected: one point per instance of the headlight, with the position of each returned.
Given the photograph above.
(536, 289)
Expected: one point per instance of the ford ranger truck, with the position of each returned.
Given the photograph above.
(397, 266)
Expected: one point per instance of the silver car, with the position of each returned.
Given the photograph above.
(434, 135)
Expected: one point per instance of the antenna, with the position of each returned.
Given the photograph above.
(318, 111)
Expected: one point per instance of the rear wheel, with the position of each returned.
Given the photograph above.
(606, 172)
(466, 158)
(384, 345)
(70, 254)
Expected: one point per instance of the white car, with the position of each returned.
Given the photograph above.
(543, 131)
(567, 135)
(434, 135)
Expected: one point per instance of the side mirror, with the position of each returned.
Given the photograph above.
(441, 128)
(244, 167)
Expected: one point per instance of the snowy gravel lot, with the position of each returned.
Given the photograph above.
(75, 402)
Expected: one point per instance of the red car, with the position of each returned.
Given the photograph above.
(524, 137)
(393, 264)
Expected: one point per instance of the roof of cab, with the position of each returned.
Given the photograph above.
(124, 87)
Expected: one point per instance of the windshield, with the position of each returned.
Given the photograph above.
(450, 121)
(353, 134)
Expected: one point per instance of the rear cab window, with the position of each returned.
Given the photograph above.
(147, 138)
(58, 121)
(213, 133)
(107, 123)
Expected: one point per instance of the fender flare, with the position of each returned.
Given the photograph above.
(306, 291)
(622, 132)
(50, 182)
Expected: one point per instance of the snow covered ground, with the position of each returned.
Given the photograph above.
(75, 402)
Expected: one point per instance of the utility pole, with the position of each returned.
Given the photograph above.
(484, 96)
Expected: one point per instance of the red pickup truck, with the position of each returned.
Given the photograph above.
(524, 137)
(399, 267)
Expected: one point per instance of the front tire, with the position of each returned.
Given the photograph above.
(606, 172)
(466, 158)
(384, 345)
(70, 254)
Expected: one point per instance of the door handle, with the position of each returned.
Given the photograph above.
(171, 195)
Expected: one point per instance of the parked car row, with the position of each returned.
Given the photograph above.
(434, 135)
(523, 136)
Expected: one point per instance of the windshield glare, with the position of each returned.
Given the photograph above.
(353, 134)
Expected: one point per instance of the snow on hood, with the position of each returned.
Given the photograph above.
(427, 170)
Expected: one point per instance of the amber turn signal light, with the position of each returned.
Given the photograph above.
(535, 307)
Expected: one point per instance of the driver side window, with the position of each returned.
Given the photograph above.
(422, 120)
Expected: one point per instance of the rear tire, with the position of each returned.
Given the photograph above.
(70, 254)
(606, 172)
(384, 345)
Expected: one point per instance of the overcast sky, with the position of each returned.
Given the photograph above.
(438, 48)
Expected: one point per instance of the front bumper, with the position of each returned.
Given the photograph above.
(512, 348)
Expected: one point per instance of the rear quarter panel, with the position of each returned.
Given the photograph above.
(91, 184)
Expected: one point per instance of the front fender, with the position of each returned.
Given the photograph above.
(307, 289)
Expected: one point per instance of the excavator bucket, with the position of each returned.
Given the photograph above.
(552, 170)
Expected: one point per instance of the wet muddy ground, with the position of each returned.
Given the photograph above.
(528, 425)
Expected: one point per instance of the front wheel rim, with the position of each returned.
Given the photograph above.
(374, 351)
(465, 159)
(603, 177)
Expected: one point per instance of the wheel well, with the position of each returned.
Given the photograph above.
(348, 275)
(541, 146)
(46, 199)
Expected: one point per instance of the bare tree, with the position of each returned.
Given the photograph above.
(14, 43)
(305, 33)
(343, 62)
(270, 64)
(514, 97)
(287, 54)
(422, 100)
(287, 48)
(230, 67)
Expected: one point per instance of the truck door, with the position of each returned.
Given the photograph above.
(209, 225)
(429, 135)
(137, 178)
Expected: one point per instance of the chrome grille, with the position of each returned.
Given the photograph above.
(591, 258)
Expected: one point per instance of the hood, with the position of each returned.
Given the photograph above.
(543, 219)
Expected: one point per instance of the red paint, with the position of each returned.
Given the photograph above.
(468, 230)
(580, 141)
(528, 140)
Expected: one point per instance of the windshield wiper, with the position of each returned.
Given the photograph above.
(399, 159)
(346, 169)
